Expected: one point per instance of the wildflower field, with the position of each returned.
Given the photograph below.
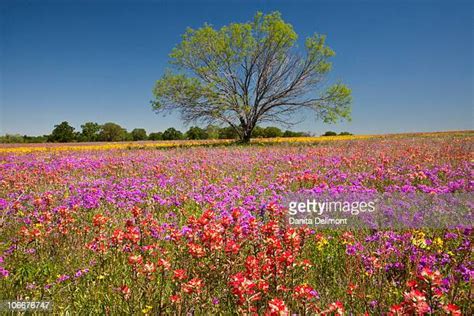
(203, 230)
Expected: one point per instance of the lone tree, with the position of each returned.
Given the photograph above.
(248, 73)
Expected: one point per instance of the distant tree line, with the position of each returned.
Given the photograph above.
(112, 132)
(331, 133)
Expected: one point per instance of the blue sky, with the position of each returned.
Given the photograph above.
(409, 63)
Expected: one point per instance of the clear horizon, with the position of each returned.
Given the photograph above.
(409, 64)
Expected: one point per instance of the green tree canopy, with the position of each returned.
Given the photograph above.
(272, 131)
(138, 134)
(258, 132)
(172, 134)
(247, 73)
(212, 131)
(62, 133)
(112, 132)
(155, 136)
(196, 132)
(345, 133)
(228, 133)
(289, 133)
(90, 131)
(330, 133)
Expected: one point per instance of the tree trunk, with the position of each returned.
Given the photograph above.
(246, 129)
(246, 138)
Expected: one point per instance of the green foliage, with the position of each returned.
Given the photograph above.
(62, 133)
(258, 132)
(112, 132)
(90, 131)
(138, 134)
(35, 139)
(330, 133)
(228, 133)
(156, 136)
(18, 139)
(337, 104)
(212, 132)
(289, 133)
(93, 132)
(272, 131)
(12, 139)
(172, 134)
(177, 87)
(246, 73)
(196, 132)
